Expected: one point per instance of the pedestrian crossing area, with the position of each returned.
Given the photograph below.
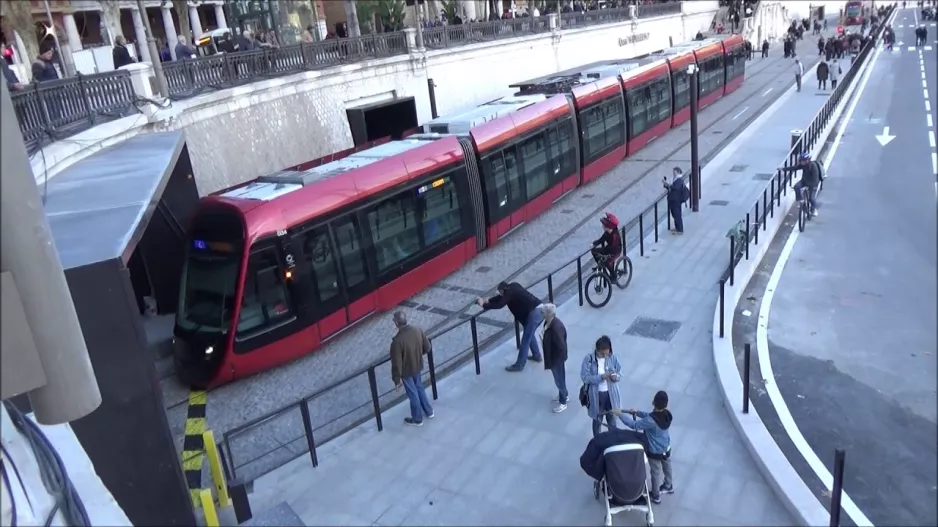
(930, 24)
(899, 48)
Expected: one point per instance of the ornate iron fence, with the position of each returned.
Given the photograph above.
(48, 111)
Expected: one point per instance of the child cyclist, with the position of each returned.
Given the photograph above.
(608, 247)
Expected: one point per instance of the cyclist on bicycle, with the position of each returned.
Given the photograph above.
(609, 246)
(812, 174)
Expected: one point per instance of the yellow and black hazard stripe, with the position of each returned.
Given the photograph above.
(193, 446)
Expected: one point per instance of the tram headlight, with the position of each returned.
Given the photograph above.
(209, 350)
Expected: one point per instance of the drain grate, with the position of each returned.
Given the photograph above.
(587, 196)
(566, 211)
(762, 177)
(717, 132)
(720, 202)
(483, 269)
(653, 328)
(739, 168)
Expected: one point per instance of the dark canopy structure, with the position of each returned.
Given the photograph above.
(116, 218)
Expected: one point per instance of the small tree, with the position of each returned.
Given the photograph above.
(182, 11)
(111, 17)
(18, 20)
(366, 10)
(392, 14)
(450, 9)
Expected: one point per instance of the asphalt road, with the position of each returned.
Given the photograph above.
(852, 327)
(527, 255)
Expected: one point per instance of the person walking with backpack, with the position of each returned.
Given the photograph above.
(600, 373)
(678, 194)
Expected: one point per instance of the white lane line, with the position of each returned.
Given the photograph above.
(923, 76)
(931, 138)
(924, 85)
(911, 48)
(930, 123)
(746, 108)
(762, 344)
(934, 163)
(927, 106)
(925, 93)
(770, 89)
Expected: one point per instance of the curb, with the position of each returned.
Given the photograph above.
(790, 488)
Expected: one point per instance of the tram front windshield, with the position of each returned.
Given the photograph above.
(209, 282)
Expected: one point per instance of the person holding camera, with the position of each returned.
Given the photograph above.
(600, 373)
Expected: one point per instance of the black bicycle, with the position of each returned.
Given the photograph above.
(599, 283)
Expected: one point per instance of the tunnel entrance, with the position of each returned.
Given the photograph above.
(379, 120)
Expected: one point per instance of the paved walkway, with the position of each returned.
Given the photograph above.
(497, 455)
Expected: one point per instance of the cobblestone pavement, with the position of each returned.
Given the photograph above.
(528, 254)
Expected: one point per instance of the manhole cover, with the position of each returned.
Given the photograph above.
(653, 328)
(738, 168)
(483, 269)
(719, 203)
(762, 177)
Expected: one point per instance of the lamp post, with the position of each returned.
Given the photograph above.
(694, 152)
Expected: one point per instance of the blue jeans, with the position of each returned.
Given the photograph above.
(528, 340)
(417, 394)
(560, 380)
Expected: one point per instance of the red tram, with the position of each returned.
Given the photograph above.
(280, 264)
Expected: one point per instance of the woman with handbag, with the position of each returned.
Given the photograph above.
(600, 373)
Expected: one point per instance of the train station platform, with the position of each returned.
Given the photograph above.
(496, 455)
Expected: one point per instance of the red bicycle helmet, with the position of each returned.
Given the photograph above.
(610, 221)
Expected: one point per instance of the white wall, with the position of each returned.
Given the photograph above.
(800, 9)
(98, 502)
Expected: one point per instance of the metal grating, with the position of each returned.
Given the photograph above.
(653, 328)
(587, 196)
(720, 202)
(739, 168)
(566, 211)
(717, 132)
(483, 269)
(762, 177)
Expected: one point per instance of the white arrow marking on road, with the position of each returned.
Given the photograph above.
(885, 138)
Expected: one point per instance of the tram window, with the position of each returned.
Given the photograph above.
(639, 102)
(602, 129)
(736, 63)
(394, 230)
(265, 301)
(439, 202)
(660, 108)
(534, 160)
(348, 240)
(562, 155)
(681, 84)
(502, 170)
(318, 254)
(711, 75)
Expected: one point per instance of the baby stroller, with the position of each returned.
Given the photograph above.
(624, 487)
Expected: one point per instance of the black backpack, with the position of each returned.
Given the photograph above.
(584, 390)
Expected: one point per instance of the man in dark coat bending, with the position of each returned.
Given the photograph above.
(523, 305)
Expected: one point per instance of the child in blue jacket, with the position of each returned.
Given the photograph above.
(655, 425)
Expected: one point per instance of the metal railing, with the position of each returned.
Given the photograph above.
(187, 78)
(369, 391)
(52, 110)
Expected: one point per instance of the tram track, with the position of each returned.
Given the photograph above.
(564, 284)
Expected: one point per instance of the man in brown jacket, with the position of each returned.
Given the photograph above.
(407, 349)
